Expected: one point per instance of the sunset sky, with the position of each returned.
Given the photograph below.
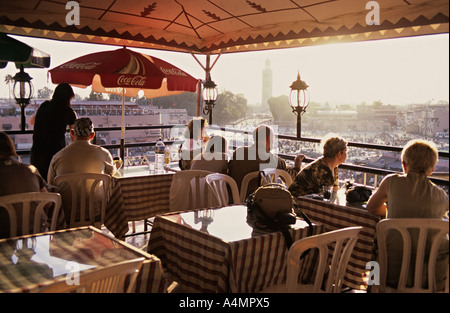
(394, 71)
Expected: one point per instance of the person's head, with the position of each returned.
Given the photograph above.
(334, 147)
(7, 148)
(263, 135)
(217, 144)
(83, 129)
(419, 156)
(63, 94)
(195, 128)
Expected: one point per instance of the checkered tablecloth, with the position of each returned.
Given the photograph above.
(29, 263)
(333, 217)
(136, 198)
(205, 263)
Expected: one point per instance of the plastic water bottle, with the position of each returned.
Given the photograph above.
(159, 156)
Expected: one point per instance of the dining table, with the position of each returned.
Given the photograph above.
(219, 250)
(136, 194)
(337, 213)
(30, 263)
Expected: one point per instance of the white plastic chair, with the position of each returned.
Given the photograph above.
(110, 279)
(22, 202)
(244, 184)
(271, 176)
(274, 175)
(189, 191)
(218, 184)
(344, 241)
(426, 251)
(88, 192)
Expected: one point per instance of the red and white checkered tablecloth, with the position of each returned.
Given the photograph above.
(333, 216)
(202, 262)
(136, 198)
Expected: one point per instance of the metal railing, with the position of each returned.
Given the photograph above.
(377, 172)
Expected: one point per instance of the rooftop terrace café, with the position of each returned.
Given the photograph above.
(195, 230)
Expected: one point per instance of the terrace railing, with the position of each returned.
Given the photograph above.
(375, 174)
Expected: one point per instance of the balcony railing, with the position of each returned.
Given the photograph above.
(377, 173)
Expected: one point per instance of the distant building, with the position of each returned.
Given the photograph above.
(434, 121)
(267, 83)
(344, 121)
(425, 120)
(386, 113)
(106, 114)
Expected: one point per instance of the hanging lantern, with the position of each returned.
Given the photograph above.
(22, 91)
(209, 97)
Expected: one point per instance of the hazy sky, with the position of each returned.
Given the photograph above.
(394, 71)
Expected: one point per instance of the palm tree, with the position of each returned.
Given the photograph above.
(9, 79)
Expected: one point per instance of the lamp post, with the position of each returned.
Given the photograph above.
(209, 97)
(23, 91)
(299, 100)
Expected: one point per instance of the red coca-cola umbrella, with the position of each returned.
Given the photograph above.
(124, 72)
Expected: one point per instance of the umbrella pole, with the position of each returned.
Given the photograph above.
(199, 96)
(122, 138)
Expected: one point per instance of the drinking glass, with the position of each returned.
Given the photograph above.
(327, 192)
(151, 167)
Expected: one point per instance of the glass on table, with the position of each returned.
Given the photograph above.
(151, 167)
(117, 162)
(327, 192)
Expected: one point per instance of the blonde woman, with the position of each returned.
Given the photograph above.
(412, 195)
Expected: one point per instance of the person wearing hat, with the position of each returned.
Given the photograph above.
(81, 156)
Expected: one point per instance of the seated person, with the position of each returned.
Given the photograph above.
(257, 157)
(81, 156)
(323, 171)
(195, 138)
(214, 158)
(412, 195)
(15, 177)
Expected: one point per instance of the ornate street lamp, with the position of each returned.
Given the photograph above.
(299, 100)
(209, 97)
(23, 91)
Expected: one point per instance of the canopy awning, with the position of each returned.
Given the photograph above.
(224, 26)
(12, 50)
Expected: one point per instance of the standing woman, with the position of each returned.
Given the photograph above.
(50, 125)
